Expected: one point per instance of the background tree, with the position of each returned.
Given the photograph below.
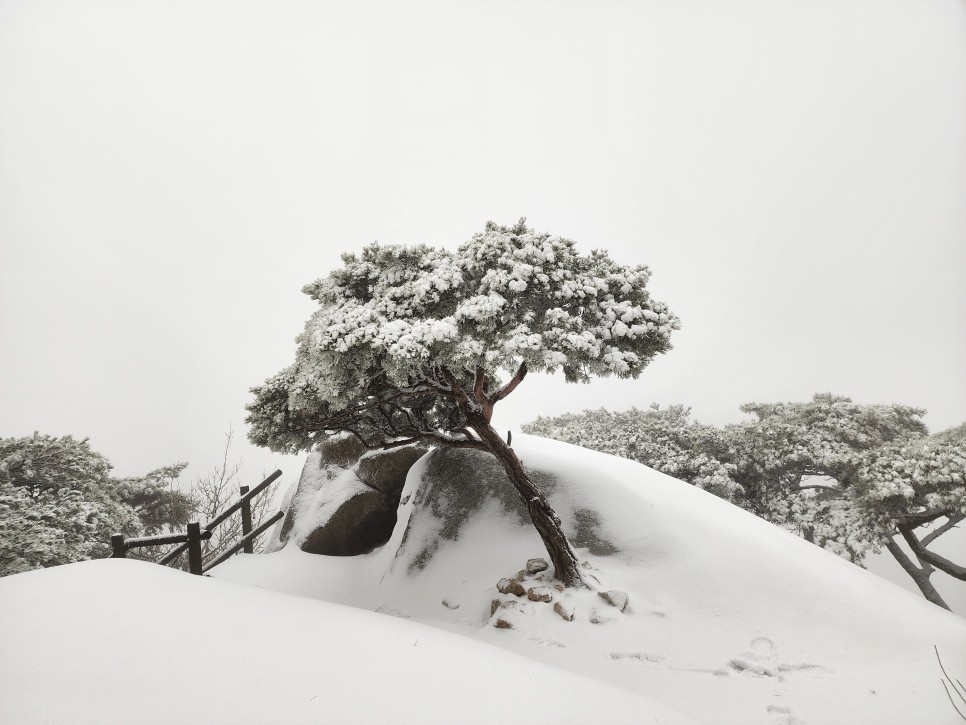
(848, 477)
(410, 343)
(915, 491)
(665, 439)
(215, 491)
(59, 504)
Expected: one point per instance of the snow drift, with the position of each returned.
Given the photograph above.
(730, 620)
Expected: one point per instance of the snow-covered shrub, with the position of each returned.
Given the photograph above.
(664, 439)
(58, 503)
(846, 476)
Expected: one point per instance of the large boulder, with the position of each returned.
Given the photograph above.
(460, 485)
(347, 499)
(359, 525)
(313, 475)
(386, 471)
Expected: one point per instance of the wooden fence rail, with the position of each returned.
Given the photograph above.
(192, 538)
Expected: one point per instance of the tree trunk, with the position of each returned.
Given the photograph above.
(920, 575)
(545, 520)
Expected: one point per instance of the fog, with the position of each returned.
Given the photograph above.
(172, 173)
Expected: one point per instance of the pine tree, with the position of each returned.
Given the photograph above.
(419, 344)
(59, 504)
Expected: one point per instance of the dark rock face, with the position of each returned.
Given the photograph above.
(456, 484)
(459, 482)
(365, 520)
(386, 471)
(332, 455)
(358, 526)
(343, 451)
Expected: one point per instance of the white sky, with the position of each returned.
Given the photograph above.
(172, 173)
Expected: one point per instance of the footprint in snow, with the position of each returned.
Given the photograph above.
(762, 661)
(547, 641)
(783, 716)
(645, 657)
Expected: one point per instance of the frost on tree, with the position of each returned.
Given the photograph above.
(418, 344)
(59, 504)
(846, 476)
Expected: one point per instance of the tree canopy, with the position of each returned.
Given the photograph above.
(849, 477)
(418, 344)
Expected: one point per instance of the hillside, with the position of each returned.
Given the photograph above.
(730, 620)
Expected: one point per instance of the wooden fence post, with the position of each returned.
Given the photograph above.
(246, 517)
(119, 550)
(194, 547)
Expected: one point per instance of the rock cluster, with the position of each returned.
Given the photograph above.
(535, 584)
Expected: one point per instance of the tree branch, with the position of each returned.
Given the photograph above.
(941, 563)
(919, 575)
(933, 535)
(915, 520)
(510, 386)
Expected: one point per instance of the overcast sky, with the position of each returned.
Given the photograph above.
(172, 173)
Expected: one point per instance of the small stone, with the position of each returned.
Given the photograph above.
(519, 576)
(586, 565)
(451, 605)
(615, 598)
(566, 611)
(501, 623)
(536, 565)
(539, 594)
(598, 617)
(559, 587)
(498, 604)
(510, 586)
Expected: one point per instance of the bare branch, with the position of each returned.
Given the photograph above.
(510, 386)
(916, 520)
(935, 534)
(919, 575)
(941, 563)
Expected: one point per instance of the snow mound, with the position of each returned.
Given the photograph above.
(725, 617)
(117, 641)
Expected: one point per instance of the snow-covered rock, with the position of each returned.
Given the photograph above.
(346, 506)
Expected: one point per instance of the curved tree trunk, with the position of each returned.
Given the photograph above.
(545, 520)
(920, 575)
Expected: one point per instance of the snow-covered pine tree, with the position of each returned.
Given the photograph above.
(419, 344)
(59, 504)
(665, 439)
(915, 491)
(847, 476)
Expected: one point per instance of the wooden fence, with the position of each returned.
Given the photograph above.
(190, 541)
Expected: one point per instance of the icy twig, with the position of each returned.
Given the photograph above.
(952, 683)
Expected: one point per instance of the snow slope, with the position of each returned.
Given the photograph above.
(730, 621)
(115, 641)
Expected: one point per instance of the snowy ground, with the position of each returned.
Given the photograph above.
(730, 621)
